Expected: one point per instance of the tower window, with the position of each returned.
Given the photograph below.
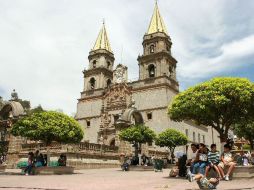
(187, 132)
(94, 64)
(199, 138)
(88, 123)
(194, 137)
(149, 116)
(108, 83)
(204, 139)
(92, 83)
(170, 71)
(108, 64)
(168, 49)
(152, 49)
(151, 70)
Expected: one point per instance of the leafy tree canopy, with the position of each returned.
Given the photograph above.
(245, 130)
(49, 126)
(171, 138)
(220, 103)
(137, 134)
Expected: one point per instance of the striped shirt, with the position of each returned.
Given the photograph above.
(214, 157)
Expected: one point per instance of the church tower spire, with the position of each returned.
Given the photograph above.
(156, 23)
(99, 74)
(157, 60)
(102, 41)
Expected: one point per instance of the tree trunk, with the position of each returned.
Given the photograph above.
(223, 141)
(172, 149)
(251, 144)
(48, 156)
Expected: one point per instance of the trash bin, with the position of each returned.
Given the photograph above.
(158, 165)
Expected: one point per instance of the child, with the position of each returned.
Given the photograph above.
(203, 182)
(213, 160)
(226, 160)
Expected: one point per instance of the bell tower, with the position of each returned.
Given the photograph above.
(99, 74)
(157, 59)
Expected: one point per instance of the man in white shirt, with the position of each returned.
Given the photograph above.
(192, 156)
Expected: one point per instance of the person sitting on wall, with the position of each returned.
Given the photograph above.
(62, 160)
(252, 158)
(144, 160)
(201, 160)
(38, 159)
(213, 161)
(45, 158)
(126, 164)
(192, 157)
(226, 161)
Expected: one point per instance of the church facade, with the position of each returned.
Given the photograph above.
(108, 100)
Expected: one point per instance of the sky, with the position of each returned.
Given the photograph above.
(44, 44)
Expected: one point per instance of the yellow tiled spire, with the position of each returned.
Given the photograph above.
(102, 41)
(156, 23)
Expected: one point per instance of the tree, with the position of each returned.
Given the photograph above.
(171, 138)
(35, 110)
(245, 130)
(49, 126)
(1, 102)
(137, 134)
(219, 103)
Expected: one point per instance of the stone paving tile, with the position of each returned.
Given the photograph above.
(109, 179)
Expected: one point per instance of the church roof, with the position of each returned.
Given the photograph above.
(102, 41)
(156, 23)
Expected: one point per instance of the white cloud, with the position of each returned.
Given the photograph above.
(44, 44)
(229, 58)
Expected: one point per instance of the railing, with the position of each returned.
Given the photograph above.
(83, 146)
(158, 153)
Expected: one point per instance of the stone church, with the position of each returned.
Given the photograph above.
(109, 102)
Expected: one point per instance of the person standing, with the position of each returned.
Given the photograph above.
(30, 163)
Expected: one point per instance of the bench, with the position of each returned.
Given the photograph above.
(45, 170)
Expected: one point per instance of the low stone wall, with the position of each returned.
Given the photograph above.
(243, 172)
(82, 160)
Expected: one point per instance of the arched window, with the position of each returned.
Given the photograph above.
(94, 64)
(108, 83)
(92, 83)
(151, 48)
(151, 70)
(168, 49)
(108, 64)
(170, 70)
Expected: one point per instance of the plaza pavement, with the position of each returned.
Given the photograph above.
(109, 179)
